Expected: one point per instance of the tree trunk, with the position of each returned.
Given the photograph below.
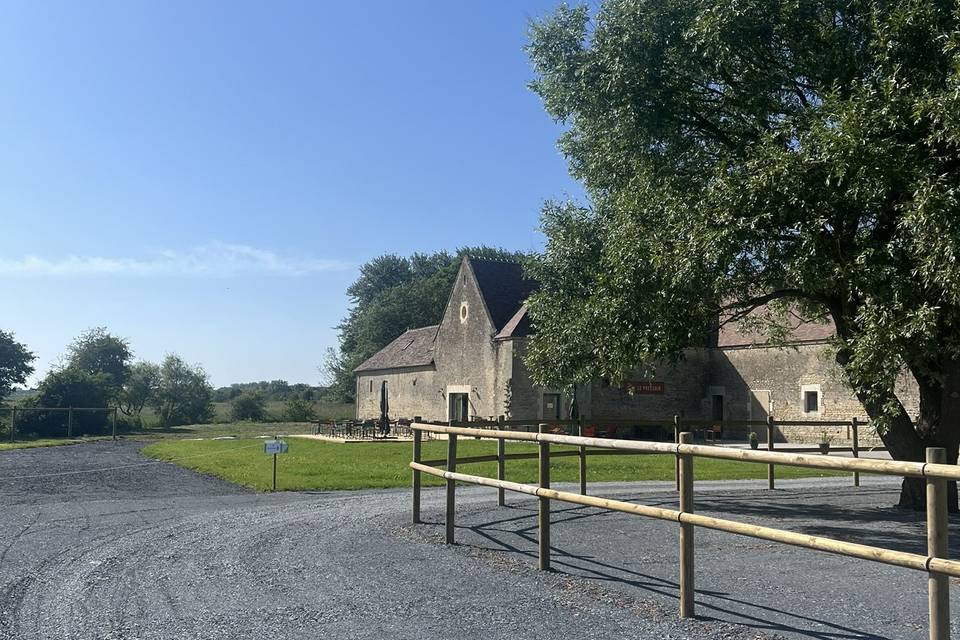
(938, 425)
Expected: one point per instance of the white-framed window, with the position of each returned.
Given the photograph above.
(811, 399)
(464, 311)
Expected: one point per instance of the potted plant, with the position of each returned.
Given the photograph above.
(754, 440)
(825, 440)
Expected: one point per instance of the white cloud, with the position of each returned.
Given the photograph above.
(215, 260)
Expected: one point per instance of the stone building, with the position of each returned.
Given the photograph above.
(470, 366)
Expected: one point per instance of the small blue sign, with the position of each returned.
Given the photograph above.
(274, 447)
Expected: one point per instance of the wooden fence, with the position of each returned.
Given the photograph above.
(936, 473)
(679, 424)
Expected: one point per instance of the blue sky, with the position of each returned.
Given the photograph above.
(206, 177)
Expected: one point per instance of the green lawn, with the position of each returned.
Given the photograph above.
(313, 464)
(221, 429)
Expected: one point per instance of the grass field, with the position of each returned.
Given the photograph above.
(318, 465)
(275, 409)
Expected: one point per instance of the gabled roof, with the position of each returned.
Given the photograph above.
(517, 327)
(799, 331)
(503, 286)
(412, 349)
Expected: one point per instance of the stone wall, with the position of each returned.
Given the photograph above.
(466, 355)
(411, 392)
(682, 389)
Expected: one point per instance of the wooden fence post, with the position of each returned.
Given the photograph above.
(770, 467)
(582, 455)
(13, 421)
(114, 427)
(676, 440)
(543, 510)
(70, 422)
(938, 585)
(686, 530)
(855, 448)
(417, 446)
(501, 463)
(451, 486)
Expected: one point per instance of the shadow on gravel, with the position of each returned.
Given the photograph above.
(874, 525)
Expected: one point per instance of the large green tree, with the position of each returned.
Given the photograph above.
(184, 394)
(393, 294)
(803, 154)
(97, 351)
(15, 363)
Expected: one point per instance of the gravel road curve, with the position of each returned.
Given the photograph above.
(148, 550)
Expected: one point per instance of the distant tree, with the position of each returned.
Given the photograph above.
(299, 409)
(393, 294)
(184, 395)
(98, 351)
(141, 386)
(249, 405)
(70, 387)
(15, 363)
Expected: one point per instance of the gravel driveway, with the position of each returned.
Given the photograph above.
(148, 550)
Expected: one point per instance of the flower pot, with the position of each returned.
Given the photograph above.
(824, 448)
(754, 444)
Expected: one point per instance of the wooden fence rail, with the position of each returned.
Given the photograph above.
(936, 473)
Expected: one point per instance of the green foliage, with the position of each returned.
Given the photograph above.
(299, 409)
(142, 384)
(737, 154)
(98, 351)
(249, 405)
(393, 294)
(184, 395)
(68, 387)
(272, 390)
(15, 363)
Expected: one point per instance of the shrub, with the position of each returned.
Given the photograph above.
(249, 406)
(299, 410)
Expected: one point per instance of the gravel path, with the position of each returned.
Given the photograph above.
(153, 551)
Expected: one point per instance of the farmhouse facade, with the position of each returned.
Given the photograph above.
(471, 366)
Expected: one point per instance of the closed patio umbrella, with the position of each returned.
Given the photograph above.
(384, 409)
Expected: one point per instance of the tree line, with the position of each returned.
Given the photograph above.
(98, 370)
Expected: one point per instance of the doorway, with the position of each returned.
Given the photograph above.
(716, 408)
(459, 407)
(551, 406)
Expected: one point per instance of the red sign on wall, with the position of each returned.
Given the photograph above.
(643, 387)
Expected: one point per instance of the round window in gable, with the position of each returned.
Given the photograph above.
(464, 311)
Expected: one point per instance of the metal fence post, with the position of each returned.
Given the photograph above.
(417, 445)
(70, 422)
(938, 585)
(501, 463)
(686, 530)
(676, 440)
(13, 421)
(451, 486)
(582, 455)
(114, 428)
(543, 510)
(770, 467)
(855, 448)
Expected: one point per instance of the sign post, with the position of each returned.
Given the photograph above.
(274, 447)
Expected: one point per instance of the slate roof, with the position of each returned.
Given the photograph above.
(503, 286)
(517, 327)
(730, 335)
(412, 349)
